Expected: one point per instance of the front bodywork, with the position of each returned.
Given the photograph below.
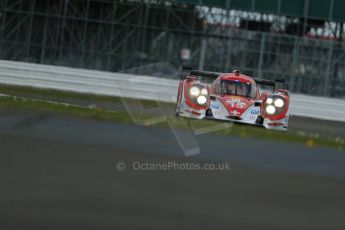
(234, 108)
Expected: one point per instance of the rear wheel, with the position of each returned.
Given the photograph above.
(177, 110)
(177, 107)
(178, 101)
(259, 120)
(209, 113)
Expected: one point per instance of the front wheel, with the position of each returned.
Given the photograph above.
(178, 101)
(177, 109)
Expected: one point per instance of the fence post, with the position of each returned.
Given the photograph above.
(262, 48)
(202, 53)
(328, 70)
(292, 82)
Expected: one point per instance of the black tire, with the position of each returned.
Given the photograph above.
(177, 113)
(177, 108)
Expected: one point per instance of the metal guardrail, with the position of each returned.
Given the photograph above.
(137, 86)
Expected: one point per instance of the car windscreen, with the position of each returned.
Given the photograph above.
(237, 88)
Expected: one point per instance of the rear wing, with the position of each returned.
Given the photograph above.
(273, 83)
(205, 73)
(187, 71)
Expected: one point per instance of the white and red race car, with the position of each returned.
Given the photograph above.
(233, 97)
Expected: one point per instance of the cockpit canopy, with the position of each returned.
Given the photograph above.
(236, 88)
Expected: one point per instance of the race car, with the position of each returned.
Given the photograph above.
(233, 97)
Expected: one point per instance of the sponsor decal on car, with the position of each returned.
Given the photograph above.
(255, 111)
(236, 103)
(234, 112)
(215, 105)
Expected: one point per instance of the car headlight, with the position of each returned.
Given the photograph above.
(270, 109)
(201, 100)
(274, 105)
(198, 94)
(194, 91)
(278, 103)
(204, 91)
(269, 100)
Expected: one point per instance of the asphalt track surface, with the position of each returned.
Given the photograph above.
(60, 173)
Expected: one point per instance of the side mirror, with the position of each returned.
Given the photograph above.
(258, 103)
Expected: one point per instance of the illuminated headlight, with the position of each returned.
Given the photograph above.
(201, 100)
(270, 109)
(278, 103)
(204, 91)
(269, 100)
(194, 91)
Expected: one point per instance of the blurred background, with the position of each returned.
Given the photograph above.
(300, 40)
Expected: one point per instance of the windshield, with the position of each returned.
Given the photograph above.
(237, 88)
